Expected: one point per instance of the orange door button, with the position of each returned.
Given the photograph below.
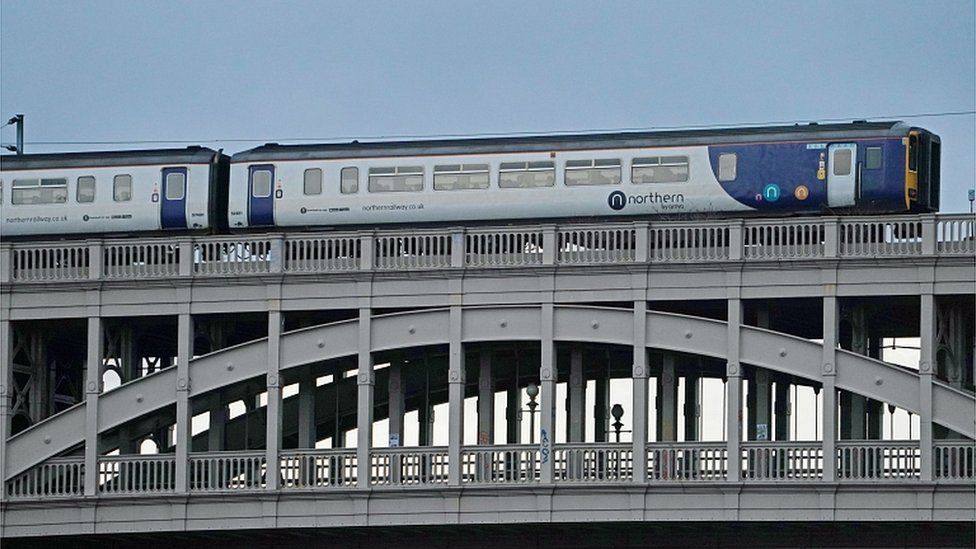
(801, 192)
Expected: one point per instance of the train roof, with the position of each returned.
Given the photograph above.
(355, 149)
(99, 159)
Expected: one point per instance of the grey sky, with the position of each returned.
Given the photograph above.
(209, 72)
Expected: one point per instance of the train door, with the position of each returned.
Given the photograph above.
(841, 174)
(260, 210)
(172, 211)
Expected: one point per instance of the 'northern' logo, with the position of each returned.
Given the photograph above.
(617, 200)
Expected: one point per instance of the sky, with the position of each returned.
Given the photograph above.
(236, 74)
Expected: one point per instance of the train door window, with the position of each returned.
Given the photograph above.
(39, 191)
(872, 158)
(454, 177)
(842, 161)
(313, 181)
(913, 153)
(396, 179)
(518, 175)
(122, 188)
(605, 171)
(261, 183)
(660, 169)
(175, 185)
(349, 181)
(727, 166)
(86, 189)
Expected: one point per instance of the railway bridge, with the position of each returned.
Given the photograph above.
(726, 372)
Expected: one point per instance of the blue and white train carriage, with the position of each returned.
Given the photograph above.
(120, 192)
(883, 167)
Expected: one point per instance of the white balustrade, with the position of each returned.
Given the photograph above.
(779, 461)
(877, 460)
(408, 466)
(687, 461)
(880, 237)
(956, 234)
(137, 474)
(318, 468)
(503, 248)
(413, 250)
(318, 254)
(593, 462)
(47, 262)
(232, 256)
(56, 477)
(227, 471)
(512, 464)
(140, 259)
(783, 240)
(955, 460)
(688, 242)
(596, 245)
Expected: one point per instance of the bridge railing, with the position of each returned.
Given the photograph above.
(955, 461)
(490, 247)
(408, 466)
(878, 460)
(227, 471)
(511, 464)
(56, 477)
(318, 468)
(687, 461)
(137, 474)
(782, 461)
(593, 462)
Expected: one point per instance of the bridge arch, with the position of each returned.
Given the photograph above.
(572, 323)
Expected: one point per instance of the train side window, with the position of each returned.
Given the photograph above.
(604, 171)
(175, 186)
(261, 183)
(39, 191)
(660, 169)
(349, 181)
(398, 179)
(122, 188)
(86, 189)
(455, 177)
(520, 175)
(872, 158)
(842, 161)
(313, 181)
(727, 166)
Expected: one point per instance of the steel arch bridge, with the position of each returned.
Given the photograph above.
(247, 383)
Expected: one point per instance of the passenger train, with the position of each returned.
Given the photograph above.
(846, 169)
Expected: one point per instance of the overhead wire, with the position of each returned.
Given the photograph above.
(497, 134)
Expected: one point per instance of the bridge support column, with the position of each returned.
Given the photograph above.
(782, 409)
(547, 380)
(364, 402)
(218, 422)
(853, 416)
(395, 402)
(513, 425)
(926, 368)
(455, 394)
(306, 408)
(272, 435)
(692, 407)
(640, 392)
(577, 396)
(601, 406)
(486, 399)
(759, 404)
(733, 388)
(667, 397)
(93, 386)
(184, 415)
(828, 374)
(6, 393)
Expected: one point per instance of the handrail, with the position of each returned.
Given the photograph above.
(721, 240)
